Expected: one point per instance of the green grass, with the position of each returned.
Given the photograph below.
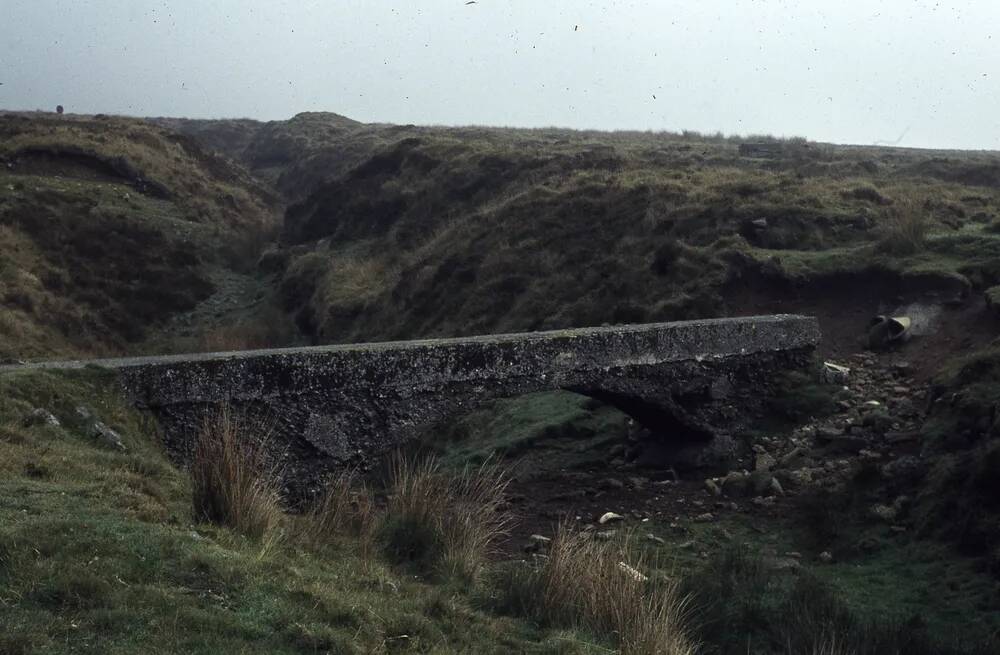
(456, 232)
(101, 554)
(101, 549)
(556, 429)
(91, 262)
(742, 605)
(919, 578)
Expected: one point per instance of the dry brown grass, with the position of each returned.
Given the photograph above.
(904, 230)
(346, 507)
(601, 586)
(830, 646)
(232, 483)
(227, 338)
(444, 523)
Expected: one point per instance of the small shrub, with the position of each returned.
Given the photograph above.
(440, 522)
(904, 230)
(232, 483)
(600, 587)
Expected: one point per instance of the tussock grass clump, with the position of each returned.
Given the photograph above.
(831, 647)
(600, 586)
(904, 231)
(232, 483)
(346, 506)
(443, 523)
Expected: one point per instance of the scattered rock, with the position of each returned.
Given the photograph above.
(536, 543)
(40, 417)
(826, 557)
(826, 433)
(98, 430)
(902, 437)
(782, 563)
(572, 494)
(905, 470)
(736, 485)
(845, 445)
(610, 517)
(799, 477)
(108, 436)
(902, 368)
(611, 484)
(776, 488)
(637, 483)
(632, 572)
(656, 540)
(713, 487)
(883, 512)
(764, 462)
(879, 421)
(760, 483)
(835, 373)
(993, 299)
(707, 517)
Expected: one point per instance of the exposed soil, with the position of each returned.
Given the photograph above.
(821, 453)
(845, 308)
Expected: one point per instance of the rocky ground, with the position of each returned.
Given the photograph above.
(879, 407)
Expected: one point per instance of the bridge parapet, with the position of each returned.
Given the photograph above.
(340, 404)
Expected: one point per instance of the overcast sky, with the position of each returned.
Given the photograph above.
(924, 73)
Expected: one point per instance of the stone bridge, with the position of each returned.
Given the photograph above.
(686, 382)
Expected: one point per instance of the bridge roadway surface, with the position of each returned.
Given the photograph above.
(350, 402)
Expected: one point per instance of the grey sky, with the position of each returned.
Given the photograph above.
(849, 71)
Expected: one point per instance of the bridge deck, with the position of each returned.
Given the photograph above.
(674, 341)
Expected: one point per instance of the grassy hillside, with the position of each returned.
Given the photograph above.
(109, 226)
(100, 552)
(119, 235)
(468, 231)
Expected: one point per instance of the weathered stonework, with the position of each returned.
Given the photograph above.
(336, 405)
